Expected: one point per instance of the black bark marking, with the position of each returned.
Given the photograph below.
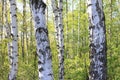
(49, 57)
(48, 48)
(42, 52)
(39, 4)
(13, 26)
(14, 15)
(56, 10)
(11, 57)
(89, 5)
(43, 40)
(42, 29)
(39, 62)
(50, 74)
(91, 26)
(13, 4)
(37, 20)
(41, 69)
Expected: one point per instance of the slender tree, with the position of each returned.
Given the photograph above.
(98, 56)
(41, 33)
(26, 30)
(73, 28)
(0, 23)
(2, 18)
(47, 15)
(14, 44)
(78, 47)
(61, 40)
(1, 33)
(7, 26)
(110, 36)
(2, 26)
(23, 29)
(57, 10)
(67, 40)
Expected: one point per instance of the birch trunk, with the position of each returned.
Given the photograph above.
(98, 55)
(24, 29)
(8, 31)
(78, 47)
(2, 27)
(31, 30)
(2, 18)
(55, 11)
(72, 30)
(61, 41)
(14, 44)
(22, 44)
(41, 33)
(67, 40)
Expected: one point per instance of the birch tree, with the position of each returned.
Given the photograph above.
(2, 19)
(57, 10)
(14, 44)
(2, 30)
(98, 60)
(78, 47)
(61, 41)
(7, 26)
(41, 33)
(67, 22)
(23, 29)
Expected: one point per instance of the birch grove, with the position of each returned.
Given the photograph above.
(98, 64)
(43, 47)
(59, 40)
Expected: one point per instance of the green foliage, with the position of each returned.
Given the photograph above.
(76, 68)
(76, 45)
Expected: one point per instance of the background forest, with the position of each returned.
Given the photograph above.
(76, 40)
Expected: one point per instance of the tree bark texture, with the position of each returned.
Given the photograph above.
(41, 33)
(98, 55)
(14, 44)
(57, 10)
(61, 41)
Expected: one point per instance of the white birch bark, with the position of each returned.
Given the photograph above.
(55, 11)
(98, 60)
(61, 41)
(14, 44)
(41, 33)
